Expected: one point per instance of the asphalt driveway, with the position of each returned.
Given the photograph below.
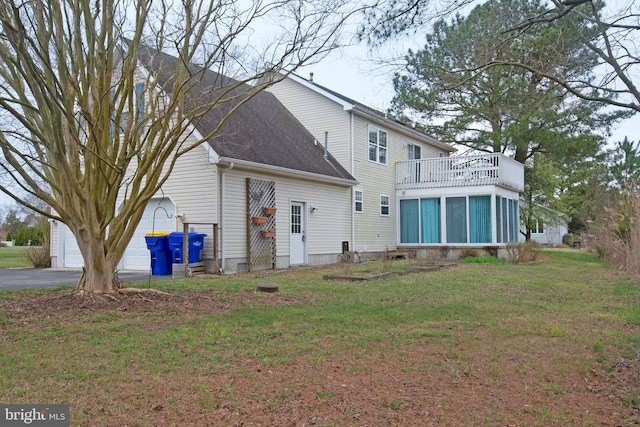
(24, 278)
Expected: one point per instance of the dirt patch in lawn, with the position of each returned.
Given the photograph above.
(419, 384)
(67, 303)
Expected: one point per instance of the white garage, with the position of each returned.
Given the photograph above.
(159, 215)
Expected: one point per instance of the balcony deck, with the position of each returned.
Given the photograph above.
(463, 171)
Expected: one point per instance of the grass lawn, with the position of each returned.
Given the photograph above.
(551, 343)
(13, 256)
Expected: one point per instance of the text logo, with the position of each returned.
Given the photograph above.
(34, 415)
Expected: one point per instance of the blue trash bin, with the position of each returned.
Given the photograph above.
(158, 245)
(196, 242)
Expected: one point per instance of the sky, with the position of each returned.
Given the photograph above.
(352, 73)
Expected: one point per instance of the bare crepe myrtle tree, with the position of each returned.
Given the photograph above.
(97, 98)
(616, 28)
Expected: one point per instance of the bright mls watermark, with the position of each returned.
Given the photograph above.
(34, 415)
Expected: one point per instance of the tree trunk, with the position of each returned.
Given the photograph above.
(98, 269)
(522, 153)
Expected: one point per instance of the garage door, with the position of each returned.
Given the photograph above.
(72, 256)
(159, 215)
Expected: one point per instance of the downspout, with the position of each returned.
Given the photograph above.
(222, 205)
(353, 202)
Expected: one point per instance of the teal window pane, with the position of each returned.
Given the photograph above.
(430, 212)
(373, 152)
(498, 220)
(409, 224)
(480, 219)
(505, 221)
(383, 156)
(456, 219)
(513, 220)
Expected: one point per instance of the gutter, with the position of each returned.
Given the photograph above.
(278, 170)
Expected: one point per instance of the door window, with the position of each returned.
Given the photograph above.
(296, 219)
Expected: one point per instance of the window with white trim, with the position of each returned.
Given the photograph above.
(384, 205)
(413, 152)
(377, 145)
(358, 201)
(138, 102)
(538, 227)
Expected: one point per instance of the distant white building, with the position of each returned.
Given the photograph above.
(550, 230)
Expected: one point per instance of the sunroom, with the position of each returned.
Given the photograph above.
(459, 202)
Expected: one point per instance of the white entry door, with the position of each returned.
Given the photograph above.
(297, 238)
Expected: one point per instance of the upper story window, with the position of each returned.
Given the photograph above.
(413, 152)
(384, 205)
(358, 201)
(138, 102)
(377, 145)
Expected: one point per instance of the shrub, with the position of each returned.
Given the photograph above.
(618, 234)
(524, 252)
(38, 256)
(468, 253)
(9, 237)
(29, 236)
(568, 239)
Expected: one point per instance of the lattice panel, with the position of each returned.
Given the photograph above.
(261, 250)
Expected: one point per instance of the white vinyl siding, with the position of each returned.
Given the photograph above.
(193, 187)
(318, 114)
(374, 232)
(326, 228)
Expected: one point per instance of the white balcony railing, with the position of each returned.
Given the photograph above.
(482, 169)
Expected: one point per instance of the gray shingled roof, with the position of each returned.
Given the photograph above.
(260, 131)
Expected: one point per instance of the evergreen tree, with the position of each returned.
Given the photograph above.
(507, 109)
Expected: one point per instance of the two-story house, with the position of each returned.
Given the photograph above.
(335, 171)
(411, 192)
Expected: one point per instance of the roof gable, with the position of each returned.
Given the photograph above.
(371, 113)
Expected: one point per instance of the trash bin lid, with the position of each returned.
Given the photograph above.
(157, 233)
